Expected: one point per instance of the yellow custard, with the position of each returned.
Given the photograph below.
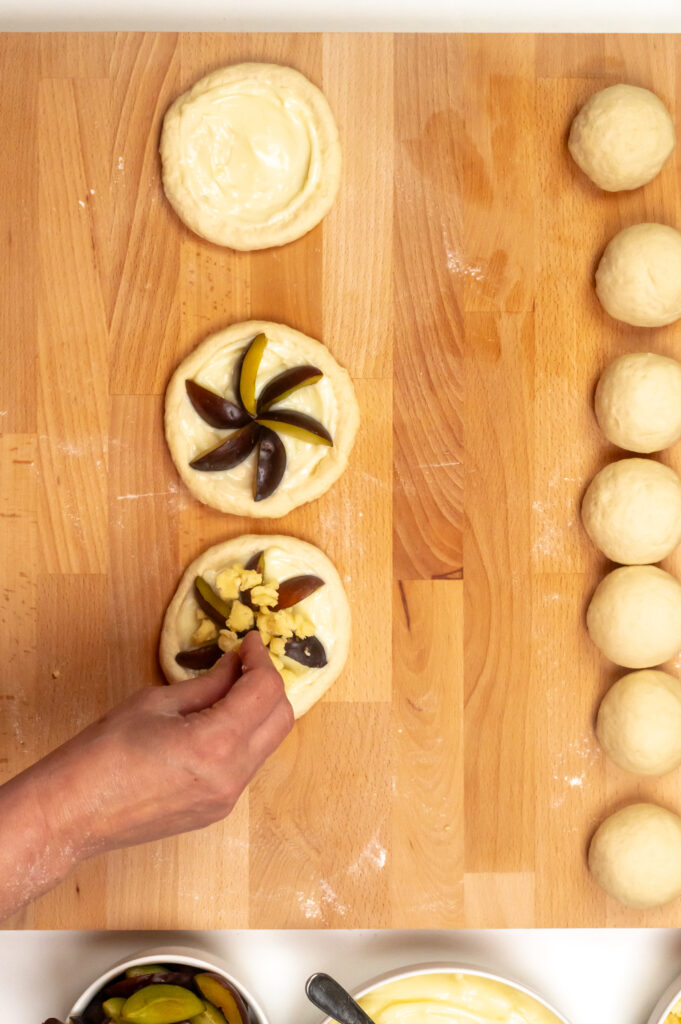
(675, 1016)
(249, 150)
(453, 999)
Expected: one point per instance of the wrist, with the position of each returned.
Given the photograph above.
(36, 857)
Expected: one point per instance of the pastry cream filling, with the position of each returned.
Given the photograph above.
(249, 151)
(279, 565)
(317, 400)
(453, 999)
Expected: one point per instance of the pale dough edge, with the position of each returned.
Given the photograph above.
(247, 238)
(281, 502)
(242, 548)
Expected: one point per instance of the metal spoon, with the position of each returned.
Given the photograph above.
(330, 997)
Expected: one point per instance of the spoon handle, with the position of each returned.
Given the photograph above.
(333, 1000)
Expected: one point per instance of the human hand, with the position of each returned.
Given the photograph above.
(171, 758)
(168, 759)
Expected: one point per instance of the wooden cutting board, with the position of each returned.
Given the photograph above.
(440, 783)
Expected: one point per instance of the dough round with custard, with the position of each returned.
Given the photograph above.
(638, 279)
(250, 156)
(635, 855)
(635, 616)
(327, 608)
(638, 402)
(639, 722)
(621, 137)
(311, 469)
(632, 511)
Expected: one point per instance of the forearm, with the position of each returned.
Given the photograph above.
(33, 857)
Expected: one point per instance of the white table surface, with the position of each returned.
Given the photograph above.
(592, 977)
(335, 15)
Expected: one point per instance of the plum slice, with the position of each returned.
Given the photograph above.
(298, 425)
(214, 409)
(308, 652)
(248, 372)
(211, 602)
(210, 1015)
(285, 383)
(197, 659)
(220, 993)
(296, 589)
(271, 464)
(161, 975)
(229, 453)
(256, 563)
(161, 1004)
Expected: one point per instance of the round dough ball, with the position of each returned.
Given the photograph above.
(635, 855)
(638, 402)
(327, 609)
(251, 157)
(632, 511)
(639, 722)
(638, 279)
(621, 137)
(635, 616)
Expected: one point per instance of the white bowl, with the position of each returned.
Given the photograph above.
(171, 955)
(666, 1003)
(413, 970)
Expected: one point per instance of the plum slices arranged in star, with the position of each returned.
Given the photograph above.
(253, 423)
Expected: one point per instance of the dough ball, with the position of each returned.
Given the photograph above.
(638, 402)
(639, 722)
(635, 616)
(639, 277)
(632, 511)
(621, 137)
(636, 855)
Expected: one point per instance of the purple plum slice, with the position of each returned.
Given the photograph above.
(197, 660)
(228, 454)
(308, 652)
(285, 383)
(214, 409)
(296, 589)
(298, 425)
(271, 464)
(248, 372)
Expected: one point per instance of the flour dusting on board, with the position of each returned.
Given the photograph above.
(458, 264)
(315, 907)
(373, 855)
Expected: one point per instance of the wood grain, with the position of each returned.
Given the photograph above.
(107, 291)
(451, 777)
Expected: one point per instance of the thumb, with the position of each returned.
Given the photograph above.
(192, 695)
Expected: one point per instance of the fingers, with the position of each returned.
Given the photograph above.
(193, 695)
(258, 691)
(253, 652)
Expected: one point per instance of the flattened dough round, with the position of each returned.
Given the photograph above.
(327, 608)
(638, 279)
(311, 469)
(632, 511)
(635, 616)
(621, 137)
(639, 722)
(635, 855)
(638, 402)
(251, 156)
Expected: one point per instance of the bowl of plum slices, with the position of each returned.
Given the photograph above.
(167, 986)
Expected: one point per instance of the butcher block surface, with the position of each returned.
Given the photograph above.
(451, 776)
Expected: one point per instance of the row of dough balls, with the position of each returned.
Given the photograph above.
(632, 513)
(621, 138)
